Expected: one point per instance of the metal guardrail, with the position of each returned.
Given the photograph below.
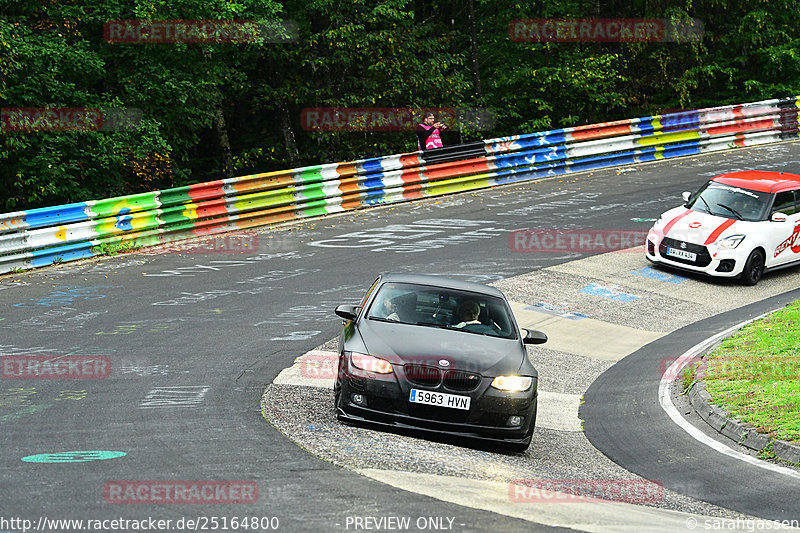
(39, 237)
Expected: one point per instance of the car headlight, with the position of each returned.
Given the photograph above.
(512, 383)
(731, 242)
(370, 363)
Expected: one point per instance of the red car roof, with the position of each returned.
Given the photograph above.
(760, 180)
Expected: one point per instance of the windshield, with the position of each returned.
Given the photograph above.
(423, 305)
(730, 202)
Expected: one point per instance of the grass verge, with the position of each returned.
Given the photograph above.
(755, 374)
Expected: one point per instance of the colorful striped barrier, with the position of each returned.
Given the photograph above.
(39, 237)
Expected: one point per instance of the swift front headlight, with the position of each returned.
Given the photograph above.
(512, 383)
(730, 242)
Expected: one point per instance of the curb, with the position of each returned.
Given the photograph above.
(740, 432)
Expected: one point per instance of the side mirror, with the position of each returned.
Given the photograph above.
(348, 312)
(777, 216)
(686, 195)
(533, 336)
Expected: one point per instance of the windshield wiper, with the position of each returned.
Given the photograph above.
(432, 324)
(732, 210)
(485, 334)
(708, 207)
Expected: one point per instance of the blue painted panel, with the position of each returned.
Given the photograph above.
(373, 182)
(54, 216)
(375, 197)
(372, 165)
(69, 252)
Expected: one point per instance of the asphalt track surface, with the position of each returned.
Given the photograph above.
(194, 337)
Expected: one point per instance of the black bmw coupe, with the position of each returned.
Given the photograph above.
(439, 355)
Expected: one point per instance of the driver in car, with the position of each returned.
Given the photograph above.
(389, 309)
(467, 313)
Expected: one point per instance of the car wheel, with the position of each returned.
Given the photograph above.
(753, 268)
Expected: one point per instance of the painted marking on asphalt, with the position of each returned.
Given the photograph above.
(25, 411)
(610, 291)
(176, 396)
(665, 400)
(652, 273)
(152, 370)
(419, 236)
(16, 396)
(73, 395)
(73, 457)
(64, 296)
(297, 335)
(555, 310)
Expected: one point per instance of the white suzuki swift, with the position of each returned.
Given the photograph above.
(739, 224)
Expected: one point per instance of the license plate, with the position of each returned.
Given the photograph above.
(439, 399)
(683, 254)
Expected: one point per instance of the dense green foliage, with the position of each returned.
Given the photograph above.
(211, 110)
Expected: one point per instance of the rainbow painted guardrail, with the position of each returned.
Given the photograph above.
(39, 237)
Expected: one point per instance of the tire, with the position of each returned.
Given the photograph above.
(753, 268)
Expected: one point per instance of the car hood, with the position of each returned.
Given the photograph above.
(403, 343)
(697, 227)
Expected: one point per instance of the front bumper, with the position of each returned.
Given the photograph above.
(387, 404)
(710, 260)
